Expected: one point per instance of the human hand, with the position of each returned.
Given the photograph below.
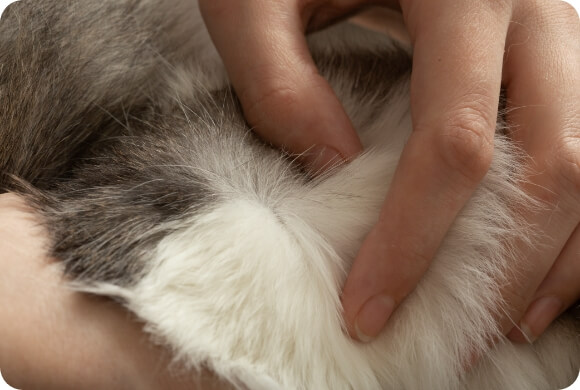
(54, 338)
(464, 51)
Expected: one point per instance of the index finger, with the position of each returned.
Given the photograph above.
(283, 96)
(458, 55)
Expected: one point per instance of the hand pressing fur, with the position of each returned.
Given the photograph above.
(464, 51)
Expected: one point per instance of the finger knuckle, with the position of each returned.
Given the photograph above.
(550, 14)
(565, 11)
(500, 7)
(466, 143)
(275, 98)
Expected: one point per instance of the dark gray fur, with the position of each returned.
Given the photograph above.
(98, 142)
(98, 139)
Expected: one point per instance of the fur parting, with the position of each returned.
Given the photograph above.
(133, 146)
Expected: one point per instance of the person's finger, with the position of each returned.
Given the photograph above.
(542, 77)
(54, 338)
(283, 96)
(454, 98)
(558, 291)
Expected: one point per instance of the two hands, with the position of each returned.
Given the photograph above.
(464, 51)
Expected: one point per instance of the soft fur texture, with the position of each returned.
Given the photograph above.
(118, 124)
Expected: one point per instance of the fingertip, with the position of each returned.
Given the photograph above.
(373, 316)
(284, 98)
(519, 335)
(302, 115)
(541, 313)
(321, 157)
(372, 290)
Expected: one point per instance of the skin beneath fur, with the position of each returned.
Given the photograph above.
(121, 129)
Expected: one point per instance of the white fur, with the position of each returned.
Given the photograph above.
(250, 287)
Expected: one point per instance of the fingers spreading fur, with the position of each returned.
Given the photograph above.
(118, 116)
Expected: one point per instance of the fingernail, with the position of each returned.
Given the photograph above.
(516, 335)
(321, 158)
(373, 316)
(539, 316)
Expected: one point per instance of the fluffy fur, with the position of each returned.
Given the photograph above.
(118, 125)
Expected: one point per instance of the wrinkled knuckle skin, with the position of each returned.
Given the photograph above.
(566, 12)
(271, 100)
(552, 14)
(278, 98)
(500, 7)
(466, 144)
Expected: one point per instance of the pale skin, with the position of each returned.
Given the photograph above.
(463, 52)
(54, 338)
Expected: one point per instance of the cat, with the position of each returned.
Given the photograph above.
(118, 124)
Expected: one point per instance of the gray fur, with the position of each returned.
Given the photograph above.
(102, 136)
(116, 154)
